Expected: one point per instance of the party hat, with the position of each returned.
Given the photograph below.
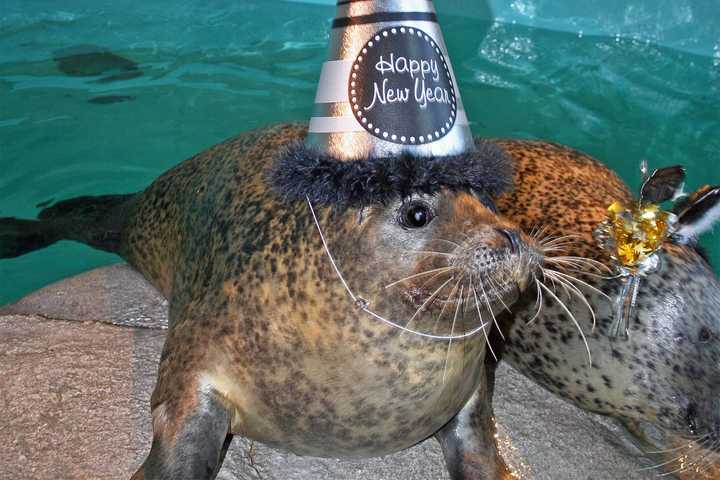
(388, 86)
(388, 120)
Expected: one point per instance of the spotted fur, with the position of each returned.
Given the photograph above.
(666, 372)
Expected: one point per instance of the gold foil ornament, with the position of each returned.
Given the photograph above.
(633, 234)
(638, 231)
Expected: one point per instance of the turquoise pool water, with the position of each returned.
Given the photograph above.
(208, 70)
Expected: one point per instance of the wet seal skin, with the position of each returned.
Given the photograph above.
(665, 373)
(264, 340)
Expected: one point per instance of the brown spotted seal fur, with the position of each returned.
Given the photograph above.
(264, 340)
(667, 372)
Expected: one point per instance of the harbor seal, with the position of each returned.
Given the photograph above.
(666, 371)
(266, 337)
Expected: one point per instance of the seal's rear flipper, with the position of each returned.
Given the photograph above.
(18, 237)
(190, 439)
(95, 221)
(698, 214)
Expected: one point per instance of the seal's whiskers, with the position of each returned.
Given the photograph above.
(416, 275)
(569, 313)
(452, 331)
(538, 303)
(668, 462)
(454, 244)
(695, 452)
(674, 449)
(432, 252)
(497, 290)
(449, 301)
(570, 278)
(710, 459)
(705, 449)
(579, 262)
(571, 290)
(487, 338)
(487, 302)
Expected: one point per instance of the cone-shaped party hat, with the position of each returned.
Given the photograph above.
(388, 120)
(387, 87)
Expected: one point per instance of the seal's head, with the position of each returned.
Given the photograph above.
(421, 229)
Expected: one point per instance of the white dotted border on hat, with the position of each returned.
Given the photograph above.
(431, 136)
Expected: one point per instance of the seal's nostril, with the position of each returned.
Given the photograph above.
(512, 237)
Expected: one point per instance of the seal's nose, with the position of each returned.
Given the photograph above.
(512, 237)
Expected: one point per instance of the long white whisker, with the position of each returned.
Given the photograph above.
(566, 238)
(572, 317)
(487, 338)
(713, 456)
(538, 304)
(593, 275)
(421, 274)
(431, 252)
(576, 264)
(661, 464)
(579, 295)
(447, 241)
(674, 459)
(448, 302)
(452, 330)
(579, 261)
(701, 457)
(581, 282)
(497, 293)
(683, 465)
(487, 302)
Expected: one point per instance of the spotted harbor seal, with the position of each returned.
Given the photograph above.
(665, 372)
(264, 339)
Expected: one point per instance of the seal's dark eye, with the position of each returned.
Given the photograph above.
(415, 215)
(704, 335)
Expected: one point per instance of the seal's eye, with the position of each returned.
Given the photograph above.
(415, 214)
(704, 335)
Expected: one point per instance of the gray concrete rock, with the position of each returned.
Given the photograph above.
(116, 294)
(75, 383)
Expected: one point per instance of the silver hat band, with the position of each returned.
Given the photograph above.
(358, 8)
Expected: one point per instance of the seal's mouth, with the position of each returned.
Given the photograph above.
(488, 272)
(424, 297)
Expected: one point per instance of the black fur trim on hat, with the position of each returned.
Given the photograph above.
(301, 171)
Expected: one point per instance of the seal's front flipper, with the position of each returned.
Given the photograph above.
(468, 441)
(190, 439)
